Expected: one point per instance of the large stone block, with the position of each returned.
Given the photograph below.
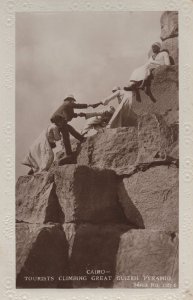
(150, 198)
(155, 138)
(41, 257)
(94, 253)
(110, 255)
(171, 45)
(114, 148)
(106, 255)
(169, 25)
(147, 259)
(120, 150)
(36, 200)
(88, 195)
(164, 98)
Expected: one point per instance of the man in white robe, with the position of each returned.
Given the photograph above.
(40, 155)
(140, 75)
(123, 112)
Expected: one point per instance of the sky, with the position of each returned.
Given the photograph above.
(81, 53)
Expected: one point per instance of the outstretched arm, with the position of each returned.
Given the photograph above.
(93, 114)
(110, 98)
(82, 106)
(95, 105)
(79, 105)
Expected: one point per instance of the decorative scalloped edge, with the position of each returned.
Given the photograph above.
(8, 8)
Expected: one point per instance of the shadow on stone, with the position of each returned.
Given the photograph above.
(94, 254)
(148, 89)
(54, 211)
(172, 62)
(95, 192)
(47, 259)
(134, 217)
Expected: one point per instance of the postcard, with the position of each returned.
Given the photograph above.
(96, 196)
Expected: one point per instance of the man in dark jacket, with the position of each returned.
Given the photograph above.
(63, 115)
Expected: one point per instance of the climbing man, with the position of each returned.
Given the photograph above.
(62, 116)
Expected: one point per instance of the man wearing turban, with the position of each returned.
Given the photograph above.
(139, 76)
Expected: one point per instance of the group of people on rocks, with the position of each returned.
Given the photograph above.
(41, 156)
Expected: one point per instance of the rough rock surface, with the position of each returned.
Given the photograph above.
(42, 251)
(98, 256)
(147, 252)
(155, 138)
(154, 195)
(95, 248)
(169, 34)
(164, 99)
(36, 200)
(169, 25)
(97, 209)
(171, 45)
(120, 149)
(112, 149)
(125, 252)
(112, 218)
(88, 195)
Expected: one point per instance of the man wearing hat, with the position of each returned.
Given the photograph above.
(63, 115)
(140, 75)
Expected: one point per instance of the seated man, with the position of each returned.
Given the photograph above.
(138, 78)
(97, 120)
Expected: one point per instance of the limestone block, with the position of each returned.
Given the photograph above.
(41, 256)
(88, 195)
(36, 200)
(150, 198)
(151, 256)
(169, 25)
(94, 253)
(111, 149)
(105, 256)
(155, 138)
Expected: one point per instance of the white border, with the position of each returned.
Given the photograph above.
(8, 8)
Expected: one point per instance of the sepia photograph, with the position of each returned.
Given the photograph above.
(97, 149)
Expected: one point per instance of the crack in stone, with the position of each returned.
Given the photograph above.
(142, 167)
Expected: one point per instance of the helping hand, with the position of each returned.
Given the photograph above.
(105, 102)
(96, 104)
(81, 115)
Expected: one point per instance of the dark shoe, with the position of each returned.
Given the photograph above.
(69, 159)
(31, 172)
(131, 87)
(128, 88)
(142, 87)
(142, 84)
